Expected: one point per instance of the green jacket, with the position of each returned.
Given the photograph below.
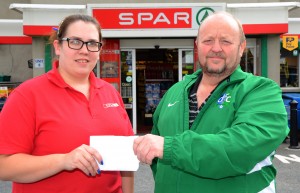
(231, 144)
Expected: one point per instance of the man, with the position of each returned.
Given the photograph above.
(217, 130)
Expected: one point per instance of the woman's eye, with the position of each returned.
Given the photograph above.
(93, 44)
(75, 42)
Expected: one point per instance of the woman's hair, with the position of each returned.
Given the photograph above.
(60, 32)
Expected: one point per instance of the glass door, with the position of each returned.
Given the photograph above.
(248, 62)
(185, 62)
(128, 84)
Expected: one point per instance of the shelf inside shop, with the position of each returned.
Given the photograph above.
(158, 80)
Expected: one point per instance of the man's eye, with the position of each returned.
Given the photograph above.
(225, 42)
(208, 41)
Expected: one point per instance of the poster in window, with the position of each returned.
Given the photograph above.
(109, 69)
(3, 93)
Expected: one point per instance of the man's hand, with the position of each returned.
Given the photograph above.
(148, 147)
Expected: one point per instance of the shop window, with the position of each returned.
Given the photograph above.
(187, 61)
(247, 61)
(156, 72)
(127, 57)
(5, 89)
(289, 68)
(126, 78)
(110, 62)
(109, 69)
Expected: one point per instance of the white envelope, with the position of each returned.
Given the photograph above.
(116, 151)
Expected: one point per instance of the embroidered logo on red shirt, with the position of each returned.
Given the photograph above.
(109, 105)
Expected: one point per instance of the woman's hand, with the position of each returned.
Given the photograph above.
(84, 158)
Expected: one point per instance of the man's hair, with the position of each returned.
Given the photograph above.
(224, 13)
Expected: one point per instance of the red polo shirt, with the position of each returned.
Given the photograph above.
(45, 116)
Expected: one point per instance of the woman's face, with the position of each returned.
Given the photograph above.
(77, 63)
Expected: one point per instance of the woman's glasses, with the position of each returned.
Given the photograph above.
(77, 44)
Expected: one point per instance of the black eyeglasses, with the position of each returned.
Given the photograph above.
(77, 44)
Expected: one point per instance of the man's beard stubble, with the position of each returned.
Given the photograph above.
(224, 71)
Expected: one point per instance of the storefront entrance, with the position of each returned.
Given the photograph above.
(148, 69)
(156, 72)
(147, 72)
(146, 75)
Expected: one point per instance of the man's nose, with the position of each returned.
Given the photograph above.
(217, 47)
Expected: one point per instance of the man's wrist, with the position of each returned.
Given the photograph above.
(168, 144)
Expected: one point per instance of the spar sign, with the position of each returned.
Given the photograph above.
(152, 18)
(145, 18)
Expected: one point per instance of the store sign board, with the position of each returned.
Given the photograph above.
(290, 42)
(143, 18)
(152, 18)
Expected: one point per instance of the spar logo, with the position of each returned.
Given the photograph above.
(144, 18)
(203, 13)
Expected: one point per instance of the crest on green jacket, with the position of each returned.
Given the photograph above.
(224, 100)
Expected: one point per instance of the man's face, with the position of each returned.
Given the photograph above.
(219, 46)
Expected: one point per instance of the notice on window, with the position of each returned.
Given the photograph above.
(188, 57)
(39, 63)
(3, 93)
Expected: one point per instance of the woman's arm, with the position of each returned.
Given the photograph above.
(25, 168)
(127, 182)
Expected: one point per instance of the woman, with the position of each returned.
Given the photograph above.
(46, 123)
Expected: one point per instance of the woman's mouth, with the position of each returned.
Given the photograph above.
(82, 61)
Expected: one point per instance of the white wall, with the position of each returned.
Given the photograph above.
(274, 58)
(13, 61)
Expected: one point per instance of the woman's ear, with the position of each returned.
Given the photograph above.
(57, 47)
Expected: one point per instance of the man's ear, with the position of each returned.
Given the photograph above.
(242, 48)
